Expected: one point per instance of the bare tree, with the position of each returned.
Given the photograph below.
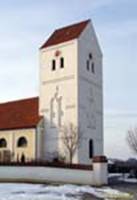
(71, 139)
(132, 139)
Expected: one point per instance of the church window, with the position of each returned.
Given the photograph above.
(91, 148)
(3, 143)
(90, 56)
(88, 65)
(61, 62)
(93, 68)
(22, 142)
(53, 65)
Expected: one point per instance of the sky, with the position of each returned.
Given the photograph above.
(26, 24)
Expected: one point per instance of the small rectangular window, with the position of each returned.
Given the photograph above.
(93, 68)
(62, 63)
(88, 65)
(53, 65)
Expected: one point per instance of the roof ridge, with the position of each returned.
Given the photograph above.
(19, 100)
(73, 24)
(65, 34)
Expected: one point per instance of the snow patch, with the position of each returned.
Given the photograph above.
(60, 192)
(128, 180)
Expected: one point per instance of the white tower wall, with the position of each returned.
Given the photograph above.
(59, 86)
(73, 94)
(90, 94)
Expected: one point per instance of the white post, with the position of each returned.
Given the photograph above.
(100, 170)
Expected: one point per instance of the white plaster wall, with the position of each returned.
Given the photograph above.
(100, 173)
(51, 174)
(90, 94)
(39, 140)
(62, 81)
(46, 174)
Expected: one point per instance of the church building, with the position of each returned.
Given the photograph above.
(70, 91)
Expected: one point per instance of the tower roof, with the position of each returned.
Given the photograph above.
(19, 114)
(65, 34)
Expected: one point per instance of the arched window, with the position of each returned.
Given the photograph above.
(93, 68)
(22, 142)
(53, 65)
(91, 148)
(88, 65)
(62, 62)
(3, 143)
(90, 56)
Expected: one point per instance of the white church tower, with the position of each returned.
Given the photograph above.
(71, 89)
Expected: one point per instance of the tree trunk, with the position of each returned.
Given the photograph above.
(71, 157)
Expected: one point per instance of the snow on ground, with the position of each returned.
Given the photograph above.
(61, 192)
(123, 177)
(128, 180)
(111, 175)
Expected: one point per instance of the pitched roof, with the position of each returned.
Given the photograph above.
(19, 114)
(65, 34)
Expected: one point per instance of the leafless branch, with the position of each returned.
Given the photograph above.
(132, 139)
(71, 138)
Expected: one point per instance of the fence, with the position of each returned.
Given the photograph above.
(43, 172)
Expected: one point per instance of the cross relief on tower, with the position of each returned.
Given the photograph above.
(56, 112)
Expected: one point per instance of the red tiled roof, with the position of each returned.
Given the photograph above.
(65, 34)
(19, 114)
